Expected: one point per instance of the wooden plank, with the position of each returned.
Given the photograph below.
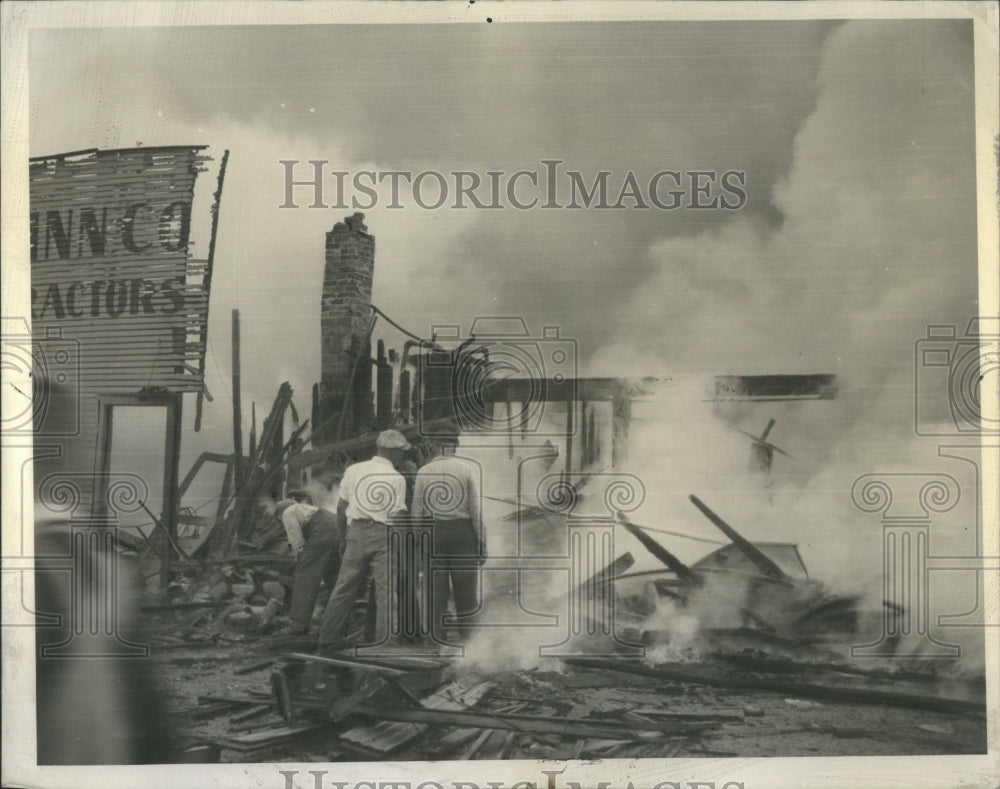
(386, 736)
(606, 575)
(269, 736)
(681, 570)
(497, 745)
(527, 723)
(457, 737)
(659, 712)
(762, 561)
(259, 666)
(473, 749)
(347, 663)
(386, 659)
(212, 711)
(805, 690)
(210, 698)
(237, 403)
(253, 712)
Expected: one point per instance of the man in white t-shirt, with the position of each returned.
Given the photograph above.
(372, 493)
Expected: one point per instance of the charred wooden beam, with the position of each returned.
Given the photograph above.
(207, 286)
(606, 575)
(384, 736)
(383, 388)
(237, 407)
(348, 663)
(805, 690)
(764, 563)
(538, 724)
(273, 736)
(225, 538)
(685, 573)
(171, 484)
(257, 666)
(253, 712)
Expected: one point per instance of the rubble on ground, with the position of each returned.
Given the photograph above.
(295, 706)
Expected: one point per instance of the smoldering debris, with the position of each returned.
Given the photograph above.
(755, 592)
(346, 708)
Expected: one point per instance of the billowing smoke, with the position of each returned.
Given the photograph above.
(877, 242)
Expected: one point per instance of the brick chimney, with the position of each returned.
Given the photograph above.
(344, 318)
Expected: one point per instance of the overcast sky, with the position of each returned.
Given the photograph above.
(857, 140)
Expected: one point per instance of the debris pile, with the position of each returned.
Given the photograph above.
(754, 594)
(350, 708)
(223, 603)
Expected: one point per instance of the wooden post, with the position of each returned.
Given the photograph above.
(105, 434)
(171, 485)
(383, 389)
(237, 407)
(253, 430)
(404, 396)
(207, 285)
(317, 418)
(229, 535)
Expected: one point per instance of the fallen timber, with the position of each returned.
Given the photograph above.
(600, 582)
(406, 708)
(681, 570)
(802, 689)
(782, 607)
(384, 735)
(684, 573)
(764, 563)
(536, 724)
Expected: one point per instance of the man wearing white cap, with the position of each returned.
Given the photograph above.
(372, 493)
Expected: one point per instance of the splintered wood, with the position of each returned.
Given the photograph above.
(346, 708)
(386, 736)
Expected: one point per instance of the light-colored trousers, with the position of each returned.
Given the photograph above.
(367, 542)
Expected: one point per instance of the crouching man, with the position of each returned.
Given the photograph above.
(315, 540)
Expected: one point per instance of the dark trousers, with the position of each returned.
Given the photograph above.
(319, 562)
(407, 595)
(455, 547)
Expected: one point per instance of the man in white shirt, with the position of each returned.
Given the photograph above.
(372, 493)
(447, 489)
(315, 539)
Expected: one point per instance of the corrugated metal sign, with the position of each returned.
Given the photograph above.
(111, 270)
